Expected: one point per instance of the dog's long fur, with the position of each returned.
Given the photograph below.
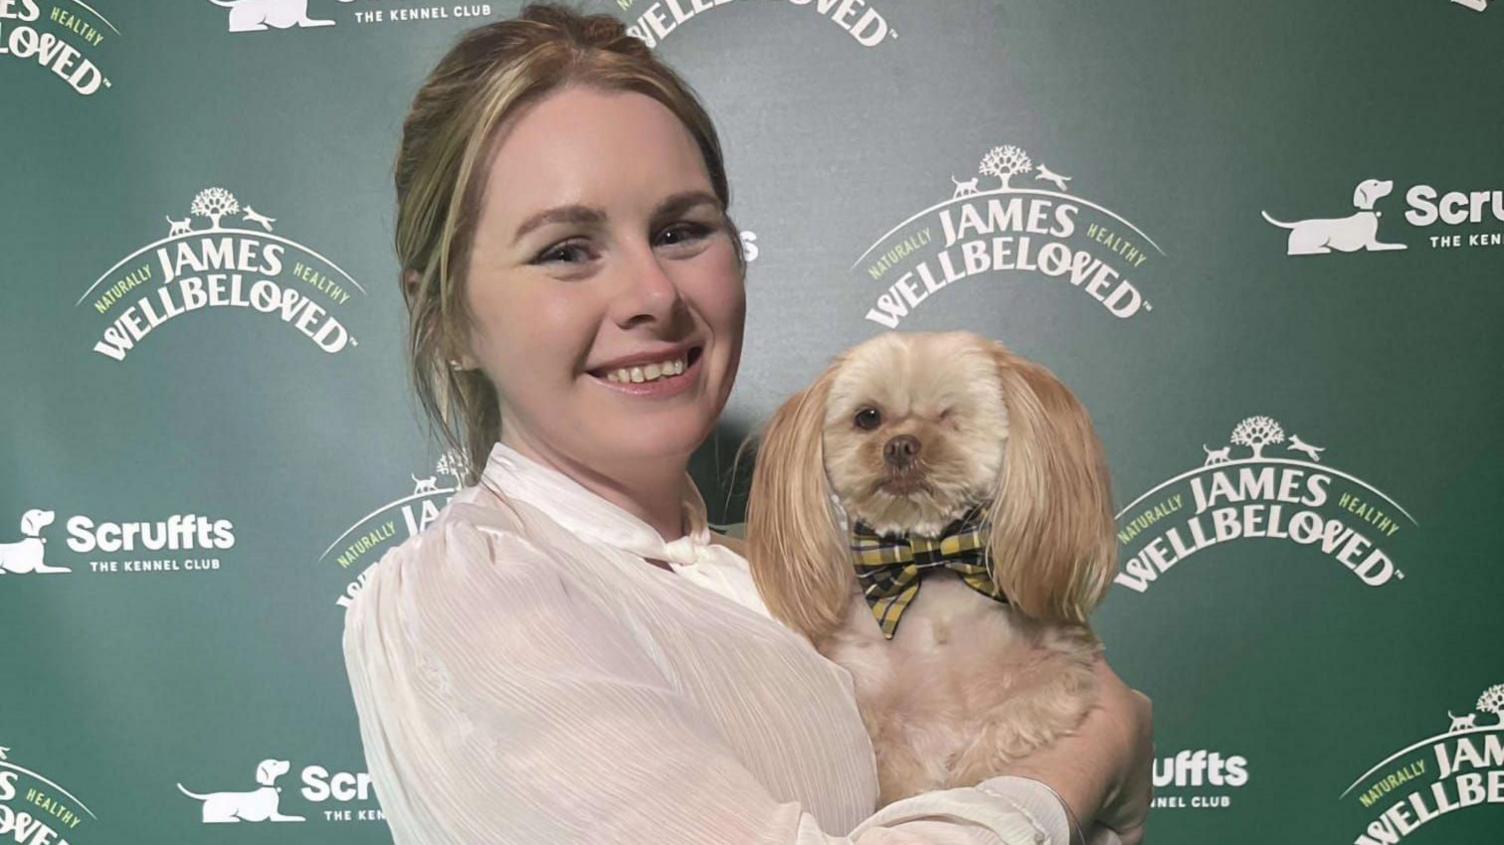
(966, 684)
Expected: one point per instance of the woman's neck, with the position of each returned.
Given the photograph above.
(651, 490)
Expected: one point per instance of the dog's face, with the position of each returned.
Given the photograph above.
(914, 432)
(1370, 191)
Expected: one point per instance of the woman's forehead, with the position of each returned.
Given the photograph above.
(582, 145)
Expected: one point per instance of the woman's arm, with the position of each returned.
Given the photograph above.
(1103, 772)
(497, 706)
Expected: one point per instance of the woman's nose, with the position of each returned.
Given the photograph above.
(646, 289)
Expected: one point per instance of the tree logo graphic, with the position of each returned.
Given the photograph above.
(364, 542)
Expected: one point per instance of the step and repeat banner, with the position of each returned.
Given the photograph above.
(1263, 242)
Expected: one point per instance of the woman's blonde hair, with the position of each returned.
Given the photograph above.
(487, 77)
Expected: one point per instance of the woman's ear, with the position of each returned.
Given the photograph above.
(1053, 536)
(797, 554)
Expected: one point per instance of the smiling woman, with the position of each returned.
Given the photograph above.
(567, 654)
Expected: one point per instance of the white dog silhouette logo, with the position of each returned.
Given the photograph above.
(260, 15)
(25, 555)
(256, 805)
(1357, 231)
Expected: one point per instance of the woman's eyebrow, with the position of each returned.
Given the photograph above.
(683, 201)
(583, 215)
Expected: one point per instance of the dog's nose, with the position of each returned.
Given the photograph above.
(901, 450)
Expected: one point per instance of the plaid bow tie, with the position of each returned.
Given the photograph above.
(890, 567)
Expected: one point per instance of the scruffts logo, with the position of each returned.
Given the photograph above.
(113, 546)
(364, 542)
(221, 266)
(261, 15)
(265, 801)
(656, 21)
(1425, 207)
(1357, 231)
(1304, 501)
(1198, 779)
(1029, 223)
(1407, 794)
(34, 809)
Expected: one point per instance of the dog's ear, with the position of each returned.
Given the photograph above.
(266, 772)
(1053, 537)
(795, 548)
(1360, 196)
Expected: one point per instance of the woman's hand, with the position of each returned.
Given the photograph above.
(1105, 770)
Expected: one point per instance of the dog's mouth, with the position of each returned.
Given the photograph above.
(903, 485)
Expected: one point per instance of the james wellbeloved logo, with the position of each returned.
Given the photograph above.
(1030, 221)
(262, 799)
(1425, 207)
(183, 543)
(364, 542)
(1407, 792)
(222, 266)
(34, 809)
(57, 41)
(658, 20)
(1278, 496)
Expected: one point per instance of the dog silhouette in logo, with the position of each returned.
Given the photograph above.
(179, 227)
(1215, 456)
(258, 805)
(1357, 231)
(1312, 452)
(1475, 5)
(1462, 723)
(257, 15)
(1048, 175)
(25, 555)
(964, 189)
(251, 215)
(424, 485)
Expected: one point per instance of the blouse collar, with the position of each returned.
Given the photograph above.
(586, 513)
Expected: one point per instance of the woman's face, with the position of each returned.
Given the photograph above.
(601, 248)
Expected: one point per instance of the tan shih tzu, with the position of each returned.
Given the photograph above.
(934, 513)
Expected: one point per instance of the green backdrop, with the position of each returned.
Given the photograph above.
(1261, 241)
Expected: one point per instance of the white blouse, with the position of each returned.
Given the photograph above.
(522, 674)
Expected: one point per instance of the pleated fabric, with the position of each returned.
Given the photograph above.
(522, 674)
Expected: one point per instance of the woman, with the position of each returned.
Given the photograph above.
(567, 654)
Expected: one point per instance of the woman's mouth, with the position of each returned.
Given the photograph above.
(668, 377)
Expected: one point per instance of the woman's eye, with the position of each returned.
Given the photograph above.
(686, 232)
(568, 253)
(868, 418)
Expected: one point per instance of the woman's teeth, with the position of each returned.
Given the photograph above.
(651, 372)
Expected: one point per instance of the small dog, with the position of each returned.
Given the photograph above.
(1357, 231)
(1049, 175)
(258, 15)
(1216, 456)
(257, 805)
(179, 227)
(28, 553)
(982, 471)
(424, 485)
(250, 215)
(1312, 452)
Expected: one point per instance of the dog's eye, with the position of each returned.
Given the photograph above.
(868, 418)
(944, 414)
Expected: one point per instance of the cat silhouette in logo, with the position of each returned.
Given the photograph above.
(257, 805)
(257, 15)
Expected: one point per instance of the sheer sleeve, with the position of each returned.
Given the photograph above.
(496, 705)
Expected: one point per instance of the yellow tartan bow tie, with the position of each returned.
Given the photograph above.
(891, 567)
